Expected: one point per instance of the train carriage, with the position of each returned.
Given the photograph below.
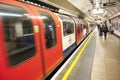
(35, 40)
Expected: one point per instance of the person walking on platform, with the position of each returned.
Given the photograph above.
(105, 30)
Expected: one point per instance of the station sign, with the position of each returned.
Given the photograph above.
(110, 3)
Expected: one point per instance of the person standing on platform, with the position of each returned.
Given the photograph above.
(105, 30)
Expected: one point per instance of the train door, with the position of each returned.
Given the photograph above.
(19, 57)
(51, 40)
(79, 32)
(79, 35)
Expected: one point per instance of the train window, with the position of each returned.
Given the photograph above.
(68, 28)
(68, 25)
(49, 26)
(18, 32)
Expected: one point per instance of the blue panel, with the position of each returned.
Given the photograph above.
(69, 49)
(29, 38)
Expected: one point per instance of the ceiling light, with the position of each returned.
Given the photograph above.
(97, 11)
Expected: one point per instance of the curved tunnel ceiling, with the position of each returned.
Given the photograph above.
(84, 6)
(112, 9)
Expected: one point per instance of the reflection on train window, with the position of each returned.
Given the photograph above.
(68, 25)
(19, 35)
(68, 28)
(49, 26)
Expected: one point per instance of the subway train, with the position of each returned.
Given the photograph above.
(35, 40)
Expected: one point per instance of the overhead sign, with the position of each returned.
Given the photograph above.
(110, 3)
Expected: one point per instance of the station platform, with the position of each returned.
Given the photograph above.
(95, 59)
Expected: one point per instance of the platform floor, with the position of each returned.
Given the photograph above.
(106, 65)
(100, 60)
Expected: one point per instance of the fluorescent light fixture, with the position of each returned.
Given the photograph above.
(97, 11)
(97, 5)
(99, 22)
(10, 14)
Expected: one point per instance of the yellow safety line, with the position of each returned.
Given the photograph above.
(76, 59)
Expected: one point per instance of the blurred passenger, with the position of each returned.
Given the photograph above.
(12, 31)
(105, 30)
(98, 27)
